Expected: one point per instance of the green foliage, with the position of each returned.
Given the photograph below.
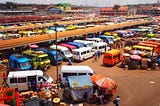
(10, 5)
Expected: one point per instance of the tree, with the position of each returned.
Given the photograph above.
(10, 5)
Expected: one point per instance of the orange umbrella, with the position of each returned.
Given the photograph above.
(102, 81)
(108, 83)
(97, 78)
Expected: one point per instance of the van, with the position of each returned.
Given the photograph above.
(67, 71)
(86, 43)
(77, 44)
(53, 55)
(22, 79)
(70, 47)
(155, 40)
(82, 54)
(94, 39)
(29, 33)
(122, 33)
(143, 49)
(19, 62)
(155, 47)
(106, 39)
(39, 59)
(101, 46)
(112, 57)
(64, 51)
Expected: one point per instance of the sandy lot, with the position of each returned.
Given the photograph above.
(134, 86)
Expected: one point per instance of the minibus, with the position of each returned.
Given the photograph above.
(101, 46)
(155, 47)
(94, 39)
(74, 71)
(154, 43)
(54, 55)
(86, 43)
(28, 33)
(122, 33)
(70, 47)
(77, 44)
(141, 40)
(112, 57)
(106, 39)
(19, 62)
(22, 79)
(155, 40)
(39, 59)
(144, 49)
(82, 53)
(64, 51)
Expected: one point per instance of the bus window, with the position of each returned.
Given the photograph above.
(22, 80)
(13, 80)
(69, 74)
(81, 73)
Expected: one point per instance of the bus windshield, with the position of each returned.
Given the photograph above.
(45, 76)
(24, 64)
(44, 58)
(67, 52)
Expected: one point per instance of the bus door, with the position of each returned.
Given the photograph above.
(32, 82)
(22, 83)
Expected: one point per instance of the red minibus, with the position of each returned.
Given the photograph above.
(70, 47)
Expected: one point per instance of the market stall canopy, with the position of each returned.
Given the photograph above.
(103, 82)
(135, 57)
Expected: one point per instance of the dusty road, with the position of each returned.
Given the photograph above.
(135, 87)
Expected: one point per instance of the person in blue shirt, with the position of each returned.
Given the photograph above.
(159, 61)
(69, 62)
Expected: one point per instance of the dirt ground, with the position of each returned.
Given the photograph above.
(135, 87)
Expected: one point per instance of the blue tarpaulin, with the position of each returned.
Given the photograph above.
(80, 81)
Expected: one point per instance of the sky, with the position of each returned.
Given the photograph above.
(99, 3)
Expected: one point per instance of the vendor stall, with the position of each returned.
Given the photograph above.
(79, 90)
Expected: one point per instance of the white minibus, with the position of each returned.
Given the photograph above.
(101, 46)
(82, 54)
(74, 71)
(23, 79)
(94, 39)
(64, 51)
(86, 43)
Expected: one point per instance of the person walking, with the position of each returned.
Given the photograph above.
(69, 62)
(4, 76)
(95, 57)
(99, 53)
(116, 101)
